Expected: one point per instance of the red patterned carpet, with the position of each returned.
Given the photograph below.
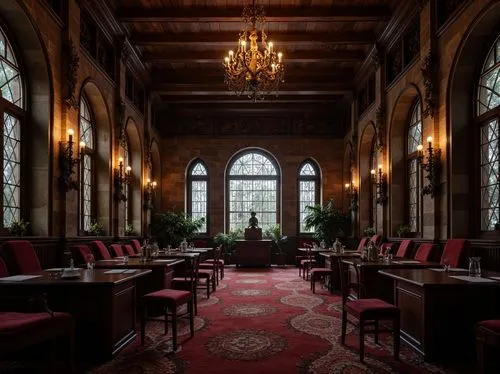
(264, 321)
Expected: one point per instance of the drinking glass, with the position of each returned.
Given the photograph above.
(446, 264)
(90, 261)
(474, 266)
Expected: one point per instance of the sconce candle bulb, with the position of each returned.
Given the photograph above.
(381, 182)
(352, 194)
(432, 167)
(121, 179)
(148, 193)
(67, 163)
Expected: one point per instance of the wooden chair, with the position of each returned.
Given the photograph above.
(425, 252)
(215, 263)
(81, 253)
(386, 248)
(21, 257)
(116, 250)
(128, 250)
(369, 313)
(487, 334)
(318, 274)
(187, 280)
(404, 249)
(100, 250)
(136, 245)
(307, 264)
(376, 239)
(304, 243)
(453, 252)
(362, 244)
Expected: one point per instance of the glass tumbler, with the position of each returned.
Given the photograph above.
(474, 266)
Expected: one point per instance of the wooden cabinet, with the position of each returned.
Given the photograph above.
(252, 253)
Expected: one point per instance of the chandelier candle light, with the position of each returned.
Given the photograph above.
(251, 71)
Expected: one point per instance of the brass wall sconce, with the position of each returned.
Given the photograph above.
(67, 163)
(352, 194)
(380, 179)
(148, 193)
(121, 179)
(432, 166)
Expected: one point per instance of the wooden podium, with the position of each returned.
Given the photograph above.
(252, 253)
(253, 233)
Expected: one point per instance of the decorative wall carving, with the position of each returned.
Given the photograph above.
(428, 70)
(71, 63)
(380, 127)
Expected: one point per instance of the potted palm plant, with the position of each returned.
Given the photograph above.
(228, 242)
(327, 220)
(171, 228)
(273, 232)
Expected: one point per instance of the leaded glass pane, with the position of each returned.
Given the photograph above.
(199, 202)
(373, 196)
(307, 197)
(87, 192)
(11, 169)
(415, 130)
(86, 132)
(126, 187)
(489, 83)
(489, 175)
(199, 169)
(413, 195)
(10, 75)
(307, 169)
(253, 164)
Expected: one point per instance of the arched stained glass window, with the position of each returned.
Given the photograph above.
(488, 109)
(373, 191)
(11, 110)
(125, 152)
(198, 193)
(413, 177)
(87, 170)
(253, 185)
(309, 191)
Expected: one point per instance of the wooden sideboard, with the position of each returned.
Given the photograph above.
(252, 253)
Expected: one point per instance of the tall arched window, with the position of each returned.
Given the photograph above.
(12, 112)
(414, 178)
(488, 118)
(198, 193)
(252, 185)
(125, 153)
(373, 190)
(309, 191)
(87, 125)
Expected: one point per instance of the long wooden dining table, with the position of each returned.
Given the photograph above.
(102, 303)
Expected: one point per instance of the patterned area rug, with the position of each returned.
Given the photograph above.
(264, 321)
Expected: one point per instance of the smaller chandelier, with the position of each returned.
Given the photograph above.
(250, 71)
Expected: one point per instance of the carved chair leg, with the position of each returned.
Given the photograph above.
(174, 328)
(344, 328)
(396, 325)
(361, 340)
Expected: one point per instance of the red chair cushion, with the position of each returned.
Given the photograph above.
(81, 253)
(176, 297)
(425, 252)
(386, 248)
(404, 248)
(362, 244)
(453, 250)
(100, 250)
(365, 306)
(116, 249)
(14, 321)
(136, 245)
(321, 270)
(205, 273)
(4, 272)
(376, 239)
(128, 249)
(22, 256)
(491, 324)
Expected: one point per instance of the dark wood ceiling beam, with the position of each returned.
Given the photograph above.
(273, 14)
(224, 100)
(200, 89)
(230, 39)
(263, 107)
(205, 57)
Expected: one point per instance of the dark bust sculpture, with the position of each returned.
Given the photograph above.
(253, 222)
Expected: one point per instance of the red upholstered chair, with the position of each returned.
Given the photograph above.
(100, 250)
(21, 257)
(307, 264)
(362, 244)
(116, 250)
(80, 253)
(128, 250)
(404, 248)
(215, 263)
(136, 245)
(187, 279)
(376, 239)
(386, 248)
(453, 251)
(303, 243)
(487, 334)
(369, 313)
(425, 252)
(321, 274)
(4, 272)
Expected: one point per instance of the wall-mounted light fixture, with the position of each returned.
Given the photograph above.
(432, 166)
(121, 179)
(352, 194)
(148, 193)
(380, 179)
(67, 162)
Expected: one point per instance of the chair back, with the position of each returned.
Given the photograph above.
(404, 248)
(128, 250)
(100, 250)
(116, 250)
(136, 245)
(21, 256)
(362, 244)
(386, 248)
(376, 239)
(80, 253)
(4, 272)
(453, 251)
(191, 268)
(346, 286)
(425, 252)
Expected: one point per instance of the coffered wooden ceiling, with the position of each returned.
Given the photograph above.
(184, 42)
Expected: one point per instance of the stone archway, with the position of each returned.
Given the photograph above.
(103, 149)
(347, 176)
(365, 181)
(156, 173)
(30, 49)
(460, 107)
(397, 155)
(135, 152)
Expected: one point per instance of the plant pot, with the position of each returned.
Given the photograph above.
(280, 259)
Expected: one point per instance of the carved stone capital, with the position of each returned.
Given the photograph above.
(428, 70)
(70, 66)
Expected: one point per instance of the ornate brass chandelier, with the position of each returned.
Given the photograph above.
(250, 71)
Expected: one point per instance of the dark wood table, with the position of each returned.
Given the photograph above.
(438, 312)
(103, 306)
(372, 284)
(331, 261)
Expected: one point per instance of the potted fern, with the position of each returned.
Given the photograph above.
(328, 221)
(273, 232)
